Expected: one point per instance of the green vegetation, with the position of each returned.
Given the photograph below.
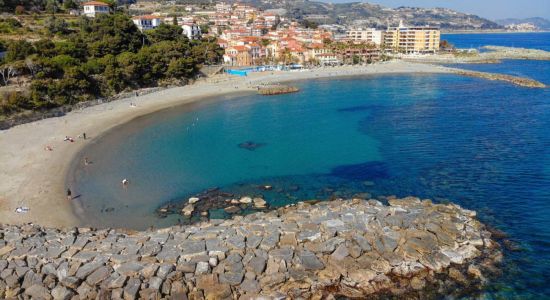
(309, 24)
(20, 6)
(105, 56)
(9, 25)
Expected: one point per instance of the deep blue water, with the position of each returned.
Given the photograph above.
(538, 40)
(482, 144)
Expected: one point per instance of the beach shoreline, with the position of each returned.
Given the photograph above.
(34, 177)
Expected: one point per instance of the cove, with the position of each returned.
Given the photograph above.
(482, 144)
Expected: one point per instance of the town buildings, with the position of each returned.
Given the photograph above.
(252, 37)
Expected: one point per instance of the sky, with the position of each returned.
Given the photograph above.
(490, 9)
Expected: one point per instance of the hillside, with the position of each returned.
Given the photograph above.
(541, 23)
(372, 15)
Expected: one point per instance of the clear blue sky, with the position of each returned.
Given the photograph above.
(491, 9)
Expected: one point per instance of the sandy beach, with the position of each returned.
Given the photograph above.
(34, 177)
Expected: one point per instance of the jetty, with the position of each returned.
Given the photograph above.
(277, 90)
(520, 81)
(353, 248)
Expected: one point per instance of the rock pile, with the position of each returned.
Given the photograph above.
(200, 206)
(277, 90)
(350, 248)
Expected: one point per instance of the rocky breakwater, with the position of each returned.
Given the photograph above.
(351, 248)
(521, 81)
(500, 52)
(277, 90)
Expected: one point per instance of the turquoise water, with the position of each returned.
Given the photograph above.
(482, 144)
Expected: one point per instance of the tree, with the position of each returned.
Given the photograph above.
(309, 24)
(108, 55)
(180, 68)
(51, 6)
(265, 42)
(7, 72)
(445, 45)
(19, 50)
(70, 4)
(56, 26)
(204, 28)
(165, 32)
(356, 59)
(19, 10)
(111, 34)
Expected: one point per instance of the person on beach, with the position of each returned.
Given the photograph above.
(48, 148)
(84, 135)
(86, 161)
(125, 183)
(69, 195)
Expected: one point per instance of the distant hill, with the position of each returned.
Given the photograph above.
(541, 23)
(373, 15)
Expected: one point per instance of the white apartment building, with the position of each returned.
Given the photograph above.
(368, 35)
(192, 31)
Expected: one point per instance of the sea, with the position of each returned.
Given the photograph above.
(484, 145)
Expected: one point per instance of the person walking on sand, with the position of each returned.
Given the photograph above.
(125, 183)
(86, 161)
(84, 135)
(69, 195)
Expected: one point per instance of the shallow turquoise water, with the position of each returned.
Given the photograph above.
(482, 144)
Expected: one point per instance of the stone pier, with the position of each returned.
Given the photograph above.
(352, 248)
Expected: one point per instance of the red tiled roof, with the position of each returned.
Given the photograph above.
(240, 48)
(95, 3)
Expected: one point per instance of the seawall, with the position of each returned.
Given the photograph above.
(353, 248)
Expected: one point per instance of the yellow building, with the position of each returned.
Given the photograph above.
(418, 39)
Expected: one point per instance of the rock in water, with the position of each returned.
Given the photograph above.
(249, 145)
(193, 200)
(188, 210)
(259, 203)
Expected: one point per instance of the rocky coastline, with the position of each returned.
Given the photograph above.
(353, 248)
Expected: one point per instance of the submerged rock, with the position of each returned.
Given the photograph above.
(249, 145)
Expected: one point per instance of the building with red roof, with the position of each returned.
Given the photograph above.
(94, 8)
